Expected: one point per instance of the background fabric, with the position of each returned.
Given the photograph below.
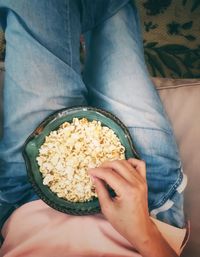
(171, 33)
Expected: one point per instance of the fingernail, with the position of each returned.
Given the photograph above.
(90, 170)
(92, 178)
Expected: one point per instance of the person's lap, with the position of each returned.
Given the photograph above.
(43, 75)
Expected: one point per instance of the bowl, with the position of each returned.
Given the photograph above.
(37, 138)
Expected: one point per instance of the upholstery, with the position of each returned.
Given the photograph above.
(181, 99)
(171, 37)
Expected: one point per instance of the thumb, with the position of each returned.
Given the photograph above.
(103, 195)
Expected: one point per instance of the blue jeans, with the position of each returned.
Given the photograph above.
(43, 75)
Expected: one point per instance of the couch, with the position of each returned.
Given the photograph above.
(181, 98)
(175, 71)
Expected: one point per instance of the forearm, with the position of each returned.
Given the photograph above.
(152, 244)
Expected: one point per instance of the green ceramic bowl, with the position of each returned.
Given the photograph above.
(36, 139)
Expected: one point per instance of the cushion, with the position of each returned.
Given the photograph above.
(171, 37)
(181, 99)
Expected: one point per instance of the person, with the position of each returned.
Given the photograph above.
(43, 74)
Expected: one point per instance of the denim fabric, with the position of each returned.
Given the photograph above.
(117, 80)
(43, 75)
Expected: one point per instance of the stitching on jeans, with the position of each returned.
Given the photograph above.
(91, 90)
(163, 208)
(70, 40)
(169, 194)
(182, 185)
(30, 36)
(153, 129)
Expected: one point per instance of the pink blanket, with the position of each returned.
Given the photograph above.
(35, 229)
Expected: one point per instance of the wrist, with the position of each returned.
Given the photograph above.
(150, 242)
(145, 234)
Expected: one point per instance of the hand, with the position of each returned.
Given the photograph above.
(128, 212)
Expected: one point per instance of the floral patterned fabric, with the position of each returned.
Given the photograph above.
(171, 34)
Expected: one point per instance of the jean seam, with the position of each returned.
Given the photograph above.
(8, 162)
(69, 23)
(91, 90)
(153, 129)
(170, 192)
(38, 43)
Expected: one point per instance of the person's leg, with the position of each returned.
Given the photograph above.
(42, 75)
(118, 81)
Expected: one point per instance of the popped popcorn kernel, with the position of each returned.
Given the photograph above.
(68, 153)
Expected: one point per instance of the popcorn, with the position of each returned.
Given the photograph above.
(68, 153)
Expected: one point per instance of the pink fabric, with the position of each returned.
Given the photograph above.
(35, 229)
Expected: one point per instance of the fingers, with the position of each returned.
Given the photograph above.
(139, 165)
(112, 178)
(122, 167)
(103, 195)
(117, 173)
(133, 170)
